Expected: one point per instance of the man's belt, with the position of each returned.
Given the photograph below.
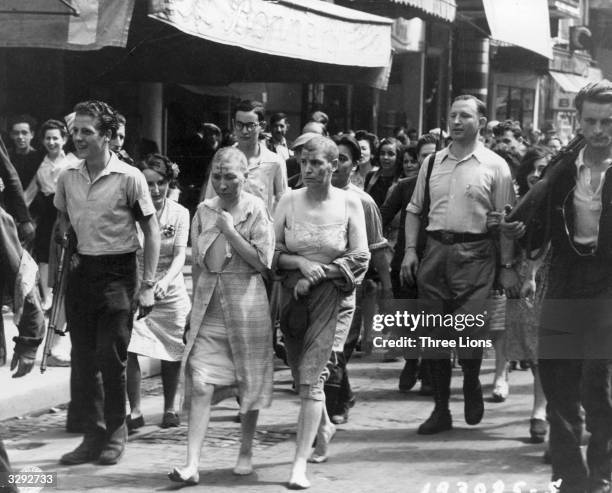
(118, 259)
(450, 238)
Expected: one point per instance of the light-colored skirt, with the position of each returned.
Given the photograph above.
(210, 360)
(160, 334)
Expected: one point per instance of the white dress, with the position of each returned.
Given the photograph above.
(160, 334)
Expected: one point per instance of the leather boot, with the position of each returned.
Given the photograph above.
(115, 447)
(472, 391)
(440, 419)
(89, 450)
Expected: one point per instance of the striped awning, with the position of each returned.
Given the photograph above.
(446, 9)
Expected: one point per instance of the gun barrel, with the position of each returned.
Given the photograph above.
(59, 290)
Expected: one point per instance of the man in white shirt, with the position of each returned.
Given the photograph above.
(267, 173)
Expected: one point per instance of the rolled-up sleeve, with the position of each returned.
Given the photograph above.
(262, 235)
(195, 233)
(373, 222)
(138, 193)
(353, 266)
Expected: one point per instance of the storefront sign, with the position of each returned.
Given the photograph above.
(308, 29)
(408, 35)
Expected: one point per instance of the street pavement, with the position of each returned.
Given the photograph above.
(377, 450)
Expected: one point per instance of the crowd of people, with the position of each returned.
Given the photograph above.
(316, 237)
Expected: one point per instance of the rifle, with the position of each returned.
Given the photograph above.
(540, 195)
(59, 295)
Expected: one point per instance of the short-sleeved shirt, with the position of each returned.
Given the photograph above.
(464, 190)
(373, 219)
(267, 178)
(103, 212)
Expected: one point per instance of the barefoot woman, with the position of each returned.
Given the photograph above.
(229, 345)
(322, 246)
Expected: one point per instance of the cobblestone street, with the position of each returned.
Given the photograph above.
(377, 450)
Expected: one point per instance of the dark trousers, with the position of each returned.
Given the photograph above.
(338, 392)
(99, 311)
(455, 279)
(576, 368)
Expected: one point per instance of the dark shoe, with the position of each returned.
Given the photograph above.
(134, 423)
(408, 376)
(115, 447)
(340, 419)
(88, 451)
(537, 430)
(473, 402)
(170, 420)
(440, 420)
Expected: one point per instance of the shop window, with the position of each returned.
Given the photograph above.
(515, 103)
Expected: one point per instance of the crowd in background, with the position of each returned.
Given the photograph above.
(341, 255)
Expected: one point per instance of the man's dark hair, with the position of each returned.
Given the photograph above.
(480, 106)
(121, 119)
(502, 127)
(370, 137)
(104, 114)
(596, 92)
(23, 118)
(53, 125)
(277, 117)
(248, 105)
(352, 144)
(426, 139)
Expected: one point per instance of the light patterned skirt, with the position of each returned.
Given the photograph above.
(159, 335)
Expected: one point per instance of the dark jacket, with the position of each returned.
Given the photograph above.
(397, 201)
(561, 212)
(12, 197)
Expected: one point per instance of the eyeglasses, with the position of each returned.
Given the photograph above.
(250, 126)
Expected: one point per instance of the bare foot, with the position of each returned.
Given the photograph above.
(324, 436)
(187, 475)
(298, 480)
(243, 467)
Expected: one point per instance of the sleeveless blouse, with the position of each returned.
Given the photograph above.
(317, 242)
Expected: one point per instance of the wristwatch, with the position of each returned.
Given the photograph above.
(149, 283)
(508, 265)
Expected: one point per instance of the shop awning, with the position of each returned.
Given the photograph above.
(76, 25)
(523, 23)
(310, 30)
(446, 9)
(572, 82)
